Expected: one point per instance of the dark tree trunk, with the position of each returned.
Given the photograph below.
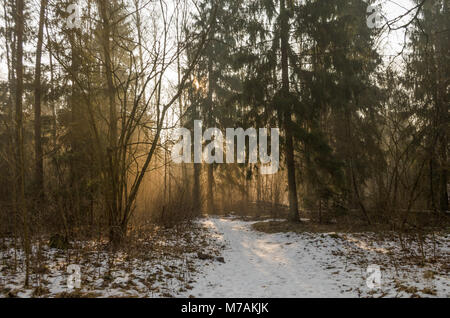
(21, 205)
(209, 112)
(196, 206)
(289, 143)
(210, 198)
(39, 164)
(443, 175)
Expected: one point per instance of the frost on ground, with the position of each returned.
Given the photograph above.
(186, 263)
(318, 265)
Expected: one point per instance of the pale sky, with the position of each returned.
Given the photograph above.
(390, 44)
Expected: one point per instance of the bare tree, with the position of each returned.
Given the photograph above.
(127, 157)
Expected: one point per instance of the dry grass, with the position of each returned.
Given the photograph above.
(339, 226)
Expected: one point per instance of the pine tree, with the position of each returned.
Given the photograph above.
(428, 73)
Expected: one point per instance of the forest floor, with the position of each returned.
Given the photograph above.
(157, 262)
(309, 264)
(227, 257)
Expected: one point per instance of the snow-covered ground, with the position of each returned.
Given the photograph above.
(167, 264)
(313, 265)
(162, 264)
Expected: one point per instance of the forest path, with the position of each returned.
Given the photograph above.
(265, 265)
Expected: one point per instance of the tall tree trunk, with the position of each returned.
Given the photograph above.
(51, 102)
(289, 143)
(210, 121)
(196, 189)
(184, 174)
(39, 164)
(442, 74)
(20, 179)
(115, 208)
(76, 123)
